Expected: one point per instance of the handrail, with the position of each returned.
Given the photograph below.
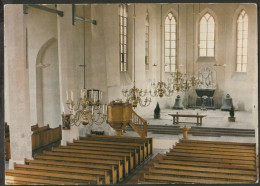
(140, 124)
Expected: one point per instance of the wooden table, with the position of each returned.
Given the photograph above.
(177, 116)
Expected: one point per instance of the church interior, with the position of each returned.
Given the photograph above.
(131, 93)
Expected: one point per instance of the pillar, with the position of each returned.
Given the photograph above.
(67, 64)
(18, 84)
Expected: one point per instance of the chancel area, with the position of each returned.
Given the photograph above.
(131, 93)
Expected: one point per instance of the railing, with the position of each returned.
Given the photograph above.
(139, 124)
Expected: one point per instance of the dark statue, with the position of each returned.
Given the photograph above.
(157, 111)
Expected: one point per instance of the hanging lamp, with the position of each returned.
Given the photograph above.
(161, 88)
(83, 111)
(134, 95)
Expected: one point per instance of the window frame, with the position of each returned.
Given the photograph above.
(242, 64)
(214, 50)
(176, 43)
(147, 41)
(125, 46)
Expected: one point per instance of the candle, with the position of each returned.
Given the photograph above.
(103, 109)
(67, 95)
(71, 95)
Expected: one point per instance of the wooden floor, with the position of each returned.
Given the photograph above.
(194, 161)
(92, 160)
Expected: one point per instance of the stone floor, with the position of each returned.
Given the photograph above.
(214, 118)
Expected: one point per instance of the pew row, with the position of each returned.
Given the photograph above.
(208, 162)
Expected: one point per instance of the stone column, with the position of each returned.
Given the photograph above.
(18, 84)
(67, 64)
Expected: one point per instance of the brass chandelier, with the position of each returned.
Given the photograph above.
(134, 95)
(182, 81)
(161, 88)
(86, 106)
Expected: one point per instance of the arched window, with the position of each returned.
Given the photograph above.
(170, 43)
(123, 36)
(147, 42)
(207, 36)
(242, 35)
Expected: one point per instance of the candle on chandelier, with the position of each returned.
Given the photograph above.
(103, 109)
(67, 95)
(71, 95)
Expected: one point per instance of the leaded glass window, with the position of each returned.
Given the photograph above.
(170, 43)
(207, 36)
(242, 35)
(123, 36)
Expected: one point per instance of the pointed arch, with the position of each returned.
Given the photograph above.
(241, 41)
(170, 42)
(207, 35)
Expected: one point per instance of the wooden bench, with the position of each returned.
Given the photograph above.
(80, 166)
(44, 136)
(77, 179)
(122, 159)
(7, 143)
(128, 155)
(177, 116)
(102, 174)
(147, 141)
(115, 163)
(218, 143)
(34, 127)
(139, 147)
(214, 162)
(158, 170)
(105, 148)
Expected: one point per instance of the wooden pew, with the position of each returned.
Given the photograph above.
(34, 127)
(198, 172)
(80, 166)
(121, 159)
(11, 180)
(44, 136)
(216, 146)
(115, 163)
(246, 159)
(138, 147)
(103, 175)
(77, 179)
(104, 148)
(198, 158)
(7, 143)
(174, 179)
(217, 142)
(207, 162)
(147, 141)
(128, 155)
(196, 151)
(189, 162)
(183, 146)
